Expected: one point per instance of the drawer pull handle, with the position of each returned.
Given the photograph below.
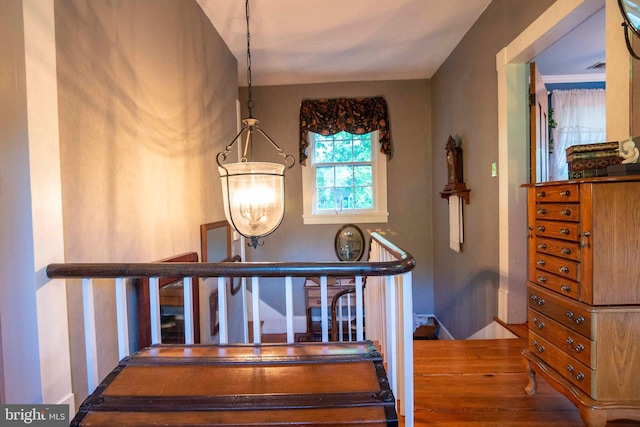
(564, 231)
(541, 228)
(540, 325)
(578, 320)
(542, 279)
(566, 288)
(534, 297)
(542, 212)
(534, 319)
(542, 194)
(540, 262)
(540, 301)
(565, 212)
(529, 235)
(565, 193)
(578, 349)
(540, 349)
(542, 246)
(566, 251)
(579, 376)
(585, 239)
(534, 343)
(564, 270)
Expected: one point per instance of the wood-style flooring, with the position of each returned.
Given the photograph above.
(474, 383)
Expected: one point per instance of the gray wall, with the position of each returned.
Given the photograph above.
(147, 97)
(464, 101)
(409, 180)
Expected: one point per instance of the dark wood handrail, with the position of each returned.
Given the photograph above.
(405, 263)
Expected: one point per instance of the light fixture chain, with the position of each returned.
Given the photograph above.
(250, 104)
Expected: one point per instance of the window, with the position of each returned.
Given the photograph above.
(345, 179)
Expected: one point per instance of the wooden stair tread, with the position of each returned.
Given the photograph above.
(310, 384)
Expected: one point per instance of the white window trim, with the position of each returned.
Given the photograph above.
(378, 214)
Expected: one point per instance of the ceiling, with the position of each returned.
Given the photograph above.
(569, 59)
(319, 41)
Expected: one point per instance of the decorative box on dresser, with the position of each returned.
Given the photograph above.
(584, 294)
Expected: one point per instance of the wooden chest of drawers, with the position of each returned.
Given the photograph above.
(584, 294)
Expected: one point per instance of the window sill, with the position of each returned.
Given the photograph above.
(341, 218)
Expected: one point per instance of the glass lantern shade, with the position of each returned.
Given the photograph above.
(253, 196)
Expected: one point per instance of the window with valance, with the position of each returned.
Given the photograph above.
(354, 115)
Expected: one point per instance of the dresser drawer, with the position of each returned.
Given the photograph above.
(560, 266)
(558, 211)
(561, 248)
(558, 230)
(558, 284)
(563, 310)
(575, 345)
(557, 193)
(570, 368)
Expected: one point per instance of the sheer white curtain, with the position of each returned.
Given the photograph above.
(581, 118)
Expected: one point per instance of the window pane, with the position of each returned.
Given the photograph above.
(326, 198)
(343, 150)
(363, 198)
(324, 176)
(344, 176)
(323, 149)
(363, 176)
(362, 148)
(344, 198)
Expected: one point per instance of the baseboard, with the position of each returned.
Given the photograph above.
(70, 400)
(494, 330)
(443, 332)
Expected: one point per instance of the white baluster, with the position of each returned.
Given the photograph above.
(407, 347)
(391, 330)
(289, 308)
(324, 312)
(255, 299)
(222, 310)
(359, 311)
(154, 310)
(245, 310)
(90, 341)
(188, 310)
(122, 318)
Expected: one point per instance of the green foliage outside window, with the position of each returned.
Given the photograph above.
(344, 174)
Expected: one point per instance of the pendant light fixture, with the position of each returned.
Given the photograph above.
(253, 192)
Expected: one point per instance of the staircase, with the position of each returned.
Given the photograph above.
(241, 385)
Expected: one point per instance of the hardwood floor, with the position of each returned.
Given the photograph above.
(481, 383)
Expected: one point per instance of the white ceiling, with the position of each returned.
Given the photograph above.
(570, 57)
(318, 41)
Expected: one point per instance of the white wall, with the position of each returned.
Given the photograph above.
(33, 308)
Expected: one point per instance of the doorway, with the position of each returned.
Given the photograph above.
(513, 158)
(572, 73)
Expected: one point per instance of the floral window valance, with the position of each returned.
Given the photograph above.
(354, 115)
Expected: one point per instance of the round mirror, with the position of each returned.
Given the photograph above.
(630, 10)
(349, 243)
